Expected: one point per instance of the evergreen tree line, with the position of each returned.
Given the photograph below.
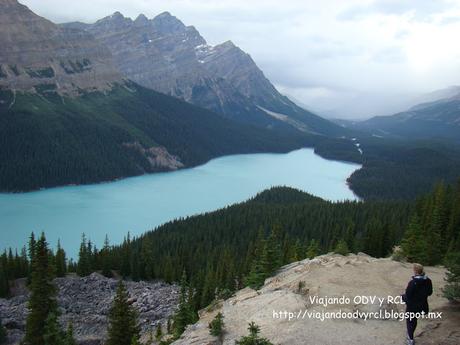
(20, 265)
(433, 234)
(243, 244)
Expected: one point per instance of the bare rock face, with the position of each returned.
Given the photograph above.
(167, 56)
(39, 54)
(86, 303)
(329, 278)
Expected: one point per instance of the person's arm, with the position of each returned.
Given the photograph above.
(410, 291)
(430, 287)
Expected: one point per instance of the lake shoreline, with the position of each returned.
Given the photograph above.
(96, 183)
(142, 203)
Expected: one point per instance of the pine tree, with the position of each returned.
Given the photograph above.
(184, 314)
(452, 288)
(253, 338)
(123, 325)
(313, 249)
(69, 337)
(135, 340)
(216, 326)
(257, 274)
(53, 334)
(295, 253)
(61, 263)
(169, 325)
(414, 243)
(159, 332)
(105, 258)
(42, 300)
(84, 258)
(147, 260)
(2, 332)
(272, 256)
(4, 281)
(209, 287)
(32, 243)
(341, 248)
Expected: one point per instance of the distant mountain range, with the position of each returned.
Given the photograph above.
(436, 118)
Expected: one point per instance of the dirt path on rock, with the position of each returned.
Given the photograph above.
(332, 276)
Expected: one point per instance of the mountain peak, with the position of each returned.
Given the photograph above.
(165, 22)
(164, 14)
(141, 20)
(117, 15)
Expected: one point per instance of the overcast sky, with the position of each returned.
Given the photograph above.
(349, 58)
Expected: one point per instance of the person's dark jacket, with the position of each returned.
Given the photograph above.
(417, 292)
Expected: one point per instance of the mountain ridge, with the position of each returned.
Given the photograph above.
(165, 55)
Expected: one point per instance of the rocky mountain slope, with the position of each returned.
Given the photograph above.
(165, 55)
(37, 54)
(435, 119)
(86, 303)
(68, 116)
(331, 275)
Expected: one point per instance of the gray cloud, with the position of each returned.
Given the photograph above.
(422, 10)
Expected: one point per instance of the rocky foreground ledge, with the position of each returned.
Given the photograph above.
(294, 289)
(86, 303)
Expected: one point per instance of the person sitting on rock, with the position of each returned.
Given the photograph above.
(416, 299)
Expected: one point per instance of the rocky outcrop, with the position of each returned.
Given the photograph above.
(38, 55)
(295, 287)
(158, 157)
(86, 303)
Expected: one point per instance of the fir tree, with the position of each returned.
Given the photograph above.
(84, 258)
(209, 287)
(60, 261)
(341, 248)
(2, 332)
(169, 325)
(313, 249)
(69, 337)
(452, 288)
(125, 266)
(257, 274)
(414, 243)
(135, 340)
(123, 325)
(185, 314)
(42, 300)
(272, 256)
(159, 332)
(105, 258)
(216, 326)
(4, 281)
(295, 252)
(253, 338)
(53, 334)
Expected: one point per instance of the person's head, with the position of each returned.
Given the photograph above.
(418, 269)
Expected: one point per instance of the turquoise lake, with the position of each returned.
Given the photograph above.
(142, 203)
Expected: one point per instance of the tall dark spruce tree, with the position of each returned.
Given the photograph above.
(2, 332)
(42, 301)
(185, 313)
(105, 258)
(84, 258)
(123, 328)
(4, 280)
(60, 261)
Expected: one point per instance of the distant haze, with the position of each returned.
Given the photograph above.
(348, 59)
